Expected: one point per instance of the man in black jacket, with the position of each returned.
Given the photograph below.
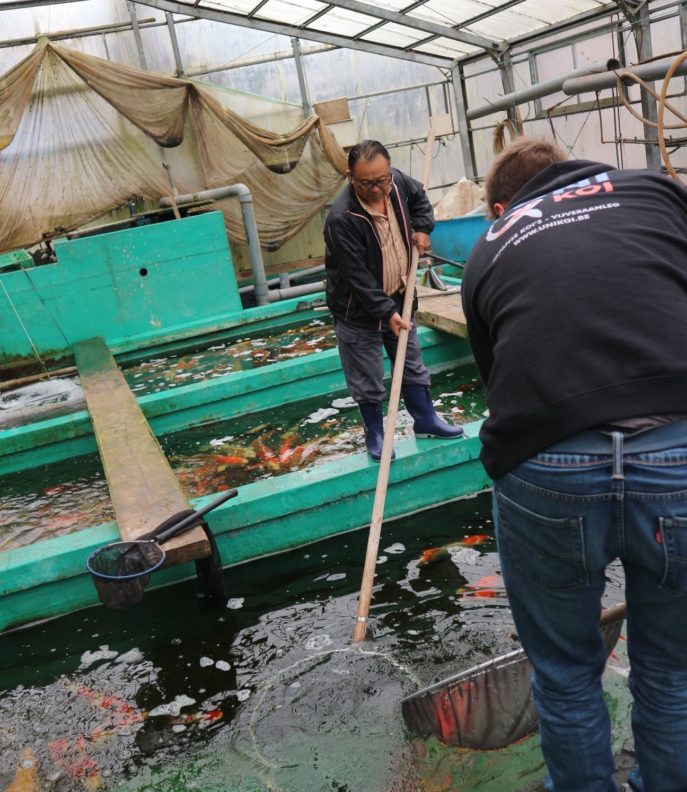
(369, 235)
(576, 305)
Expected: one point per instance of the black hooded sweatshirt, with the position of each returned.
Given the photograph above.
(576, 305)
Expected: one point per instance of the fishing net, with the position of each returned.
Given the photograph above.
(486, 707)
(121, 571)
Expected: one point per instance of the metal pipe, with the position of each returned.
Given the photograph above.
(246, 199)
(295, 291)
(540, 89)
(655, 70)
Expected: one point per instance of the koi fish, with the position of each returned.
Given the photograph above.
(26, 778)
(267, 456)
(489, 586)
(58, 489)
(475, 539)
(71, 757)
(434, 553)
(223, 459)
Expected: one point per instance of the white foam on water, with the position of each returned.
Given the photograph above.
(320, 415)
(206, 661)
(172, 708)
(318, 642)
(102, 653)
(396, 548)
(235, 603)
(222, 665)
(221, 440)
(343, 404)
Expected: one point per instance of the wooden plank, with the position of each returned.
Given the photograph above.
(441, 311)
(143, 488)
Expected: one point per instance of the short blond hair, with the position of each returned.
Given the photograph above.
(520, 161)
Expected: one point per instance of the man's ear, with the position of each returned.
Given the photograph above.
(499, 209)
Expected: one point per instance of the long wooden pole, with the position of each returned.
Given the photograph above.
(365, 596)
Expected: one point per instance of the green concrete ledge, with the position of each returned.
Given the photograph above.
(216, 399)
(270, 516)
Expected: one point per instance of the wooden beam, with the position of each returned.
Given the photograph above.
(441, 311)
(143, 488)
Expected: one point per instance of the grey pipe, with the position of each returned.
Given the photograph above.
(295, 291)
(246, 199)
(292, 275)
(540, 89)
(654, 70)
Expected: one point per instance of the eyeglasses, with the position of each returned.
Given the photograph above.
(368, 184)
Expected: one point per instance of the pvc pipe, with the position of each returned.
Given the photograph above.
(246, 199)
(293, 275)
(654, 70)
(295, 291)
(540, 89)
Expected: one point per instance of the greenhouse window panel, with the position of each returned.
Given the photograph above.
(343, 22)
(233, 6)
(446, 48)
(289, 12)
(395, 35)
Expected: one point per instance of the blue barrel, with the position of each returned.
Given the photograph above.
(454, 239)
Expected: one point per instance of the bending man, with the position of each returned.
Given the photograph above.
(369, 235)
(576, 303)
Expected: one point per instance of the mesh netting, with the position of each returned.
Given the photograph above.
(121, 571)
(79, 137)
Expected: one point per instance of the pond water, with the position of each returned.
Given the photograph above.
(56, 499)
(268, 694)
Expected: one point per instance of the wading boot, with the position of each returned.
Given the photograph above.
(373, 423)
(418, 401)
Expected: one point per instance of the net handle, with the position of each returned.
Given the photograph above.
(189, 520)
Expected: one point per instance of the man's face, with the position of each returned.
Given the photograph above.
(371, 178)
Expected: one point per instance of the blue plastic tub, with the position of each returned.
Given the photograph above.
(454, 239)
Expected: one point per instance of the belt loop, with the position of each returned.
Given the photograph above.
(617, 456)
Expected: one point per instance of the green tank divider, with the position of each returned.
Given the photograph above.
(220, 398)
(251, 320)
(49, 578)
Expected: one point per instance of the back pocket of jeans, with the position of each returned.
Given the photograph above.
(549, 551)
(673, 535)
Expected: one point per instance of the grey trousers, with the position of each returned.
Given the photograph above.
(362, 361)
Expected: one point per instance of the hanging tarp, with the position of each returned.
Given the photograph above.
(80, 136)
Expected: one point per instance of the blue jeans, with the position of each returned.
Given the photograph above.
(561, 518)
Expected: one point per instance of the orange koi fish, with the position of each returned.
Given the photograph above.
(266, 456)
(475, 539)
(26, 778)
(489, 586)
(230, 460)
(434, 553)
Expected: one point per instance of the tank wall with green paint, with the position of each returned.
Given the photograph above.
(130, 283)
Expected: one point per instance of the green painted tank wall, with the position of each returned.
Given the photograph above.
(123, 285)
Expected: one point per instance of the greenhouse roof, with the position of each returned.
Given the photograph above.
(436, 32)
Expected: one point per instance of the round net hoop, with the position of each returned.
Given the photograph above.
(121, 571)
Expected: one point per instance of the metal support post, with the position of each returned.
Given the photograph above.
(300, 71)
(137, 35)
(464, 131)
(175, 44)
(649, 107)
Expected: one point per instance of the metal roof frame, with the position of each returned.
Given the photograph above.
(402, 21)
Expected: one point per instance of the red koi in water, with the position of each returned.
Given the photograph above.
(489, 586)
(69, 756)
(58, 489)
(475, 539)
(230, 460)
(266, 456)
(429, 555)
